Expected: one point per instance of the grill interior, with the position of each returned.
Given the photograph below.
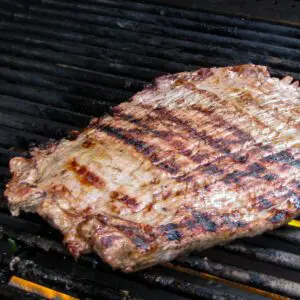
(62, 62)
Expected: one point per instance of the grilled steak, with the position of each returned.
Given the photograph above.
(197, 159)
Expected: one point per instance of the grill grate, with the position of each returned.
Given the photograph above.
(62, 62)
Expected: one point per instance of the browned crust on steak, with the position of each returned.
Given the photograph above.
(196, 159)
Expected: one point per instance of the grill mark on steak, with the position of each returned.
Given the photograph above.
(278, 217)
(245, 96)
(171, 231)
(220, 145)
(174, 235)
(263, 203)
(197, 158)
(205, 221)
(213, 97)
(283, 157)
(178, 146)
(147, 150)
(254, 170)
(140, 242)
(129, 201)
(139, 237)
(240, 134)
(85, 176)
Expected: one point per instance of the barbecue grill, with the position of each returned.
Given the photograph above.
(62, 62)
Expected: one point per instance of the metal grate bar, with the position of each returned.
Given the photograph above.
(291, 235)
(167, 23)
(249, 277)
(11, 137)
(65, 71)
(33, 124)
(86, 63)
(43, 111)
(186, 14)
(266, 254)
(73, 87)
(53, 98)
(224, 35)
(257, 54)
(176, 34)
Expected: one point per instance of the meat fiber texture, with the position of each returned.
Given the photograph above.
(194, 160)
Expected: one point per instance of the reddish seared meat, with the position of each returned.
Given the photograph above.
(197, 159)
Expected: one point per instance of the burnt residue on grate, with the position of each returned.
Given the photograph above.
(62, 62)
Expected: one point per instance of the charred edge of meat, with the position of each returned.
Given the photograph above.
(204, 73)
(44, 146)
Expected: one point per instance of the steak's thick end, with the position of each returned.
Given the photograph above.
(197, 159)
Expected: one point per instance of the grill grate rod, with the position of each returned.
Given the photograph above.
(168, 23)
(288, 234)
(227, 282)
(277, 63)
(248, 277)
(257, 54)
(59, 99)
(72, 72)
(278, 257)
(204, 59)
(43, 111)
(226, 35)
(182, 15)
(29, 269)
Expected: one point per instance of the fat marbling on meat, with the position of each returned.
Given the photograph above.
(194, 160)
